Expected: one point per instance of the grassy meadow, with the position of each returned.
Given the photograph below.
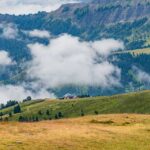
(101, 132)
(138, 103)
(119, 122)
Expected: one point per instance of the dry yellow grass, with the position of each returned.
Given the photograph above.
(102, 132)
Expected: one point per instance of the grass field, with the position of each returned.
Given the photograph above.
(122, 123)
(101, 132)
(127, 103)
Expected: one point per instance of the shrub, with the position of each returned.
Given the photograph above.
(21, 119)
(17, 109)
(48, 112)
(96, 112)
(60, 115)
(1, 113)
(40, 112)
(10, 114)
(82, 113)
(56, 116)
(36, 118)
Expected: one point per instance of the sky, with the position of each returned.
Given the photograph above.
(18, 7)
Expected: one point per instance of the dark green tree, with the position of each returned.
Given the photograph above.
(56, 116)
(82, 112)
(17, 109)
(96, 112)
(48, 112)
(10, 114)
(29, 98)
(1, 114)
(21, 119)
(40, 112)
(36, 119)
(60, 115)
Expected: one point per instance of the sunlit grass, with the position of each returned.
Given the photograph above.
(138, 102)
(126, 132)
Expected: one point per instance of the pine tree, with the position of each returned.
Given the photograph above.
(40, 112)
(48, 112)
(82, 112)
(56, 116)
(17, 109)
(60, 115)
(36, 118)
(10, 114)
(96, 112)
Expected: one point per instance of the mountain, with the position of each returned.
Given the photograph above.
(48, 109)
(124, 20)
(127, 21)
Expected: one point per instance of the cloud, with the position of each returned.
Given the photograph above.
(141, 75)
(68, 61)
(105, 47)
(64, 61)
(5, 59)
(19, 92)
(9, 31)
(30, 6)
(38, 33)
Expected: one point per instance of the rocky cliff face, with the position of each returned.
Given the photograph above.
(127, 20)
(103, 12)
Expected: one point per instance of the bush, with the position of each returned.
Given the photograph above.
(48, 112)
(1, 114)
(21, 119)
(17, 109)
(60, 115)
(27, 99)
(96, 112)
(56, 116)
(10, 114)
(40, 112)
(36, 118)
(82, 113)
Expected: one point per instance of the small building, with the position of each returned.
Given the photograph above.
(69, 96)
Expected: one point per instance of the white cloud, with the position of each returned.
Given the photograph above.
(30, 6)
(141, 75)
(104, 47)
(67, 61)
(38, 33)
(5, 59)
(19, 92)
(9, 31)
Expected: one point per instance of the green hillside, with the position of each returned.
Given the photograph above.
(136, 51)
(52, 109)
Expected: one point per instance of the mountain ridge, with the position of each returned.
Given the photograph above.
(128, 22)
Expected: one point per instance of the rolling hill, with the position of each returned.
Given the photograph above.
(54, 109)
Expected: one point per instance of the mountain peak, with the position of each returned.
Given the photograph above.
(122, 2)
